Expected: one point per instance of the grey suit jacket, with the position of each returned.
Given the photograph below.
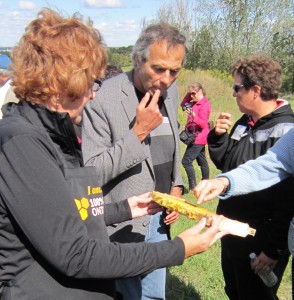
(123, 162)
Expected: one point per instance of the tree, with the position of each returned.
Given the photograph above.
(221, 31)
(120, 56)
(201, 54)
(178, 13)
(243, 27)
(283, 51)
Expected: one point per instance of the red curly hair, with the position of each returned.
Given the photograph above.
(57, 55)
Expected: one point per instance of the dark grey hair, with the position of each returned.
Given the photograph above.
(156, 32)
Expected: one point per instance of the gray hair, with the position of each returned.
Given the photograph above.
(157, 32)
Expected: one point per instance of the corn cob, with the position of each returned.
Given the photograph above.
(196, 212)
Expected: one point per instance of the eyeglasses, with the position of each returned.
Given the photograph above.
(96, 85)
(236, 87)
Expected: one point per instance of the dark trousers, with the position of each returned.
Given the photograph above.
(195, 152)
(241, 283)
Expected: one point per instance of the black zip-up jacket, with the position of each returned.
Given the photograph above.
(53, 238)
(270, 210)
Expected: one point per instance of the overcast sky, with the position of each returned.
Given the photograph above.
(119, 21)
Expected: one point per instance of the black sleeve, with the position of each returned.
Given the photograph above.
(36, 194)
(117, 212)
(217, 147)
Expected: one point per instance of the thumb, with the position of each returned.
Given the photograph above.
(145, 198)
(199, 226)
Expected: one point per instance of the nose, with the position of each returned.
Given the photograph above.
(166, 78)
(92, 95)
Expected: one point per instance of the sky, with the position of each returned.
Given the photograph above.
(119, 21)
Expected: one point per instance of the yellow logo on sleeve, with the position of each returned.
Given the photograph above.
(94, 205)
(83, 206)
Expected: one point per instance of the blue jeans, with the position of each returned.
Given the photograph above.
(152, 285)
(195, 152)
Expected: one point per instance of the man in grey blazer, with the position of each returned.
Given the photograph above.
(130, 133)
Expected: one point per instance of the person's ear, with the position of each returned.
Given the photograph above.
(256, 90)
(137, 62)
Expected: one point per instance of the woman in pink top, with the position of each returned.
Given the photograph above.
(198, 108)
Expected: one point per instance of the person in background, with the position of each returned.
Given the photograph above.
(5, 74)
(130, 131)
(198, 109)
(5, 71)
(111, 71)
(54, 242)
(257, 80)
(255, 175)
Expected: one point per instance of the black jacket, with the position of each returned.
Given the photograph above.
(53, 241)
(270, 210)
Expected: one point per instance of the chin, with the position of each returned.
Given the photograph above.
(152, 92)
(77, 120)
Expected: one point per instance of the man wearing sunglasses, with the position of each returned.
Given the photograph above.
(265, 119)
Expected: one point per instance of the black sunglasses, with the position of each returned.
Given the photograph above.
(236, 87)
(96, 85)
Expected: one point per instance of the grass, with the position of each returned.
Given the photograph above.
(200, 277)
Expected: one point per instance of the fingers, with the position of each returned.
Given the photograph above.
(204, 191)
(144, 198)
(199, 226)
(215, 221)
(197, 240)
(210, 235)
(263, 264)
(151, 103)
(262, 268)
(213, 234)
(148, 115)
(198, 190)
(207, 190)
(223, 123)
(224, 115)
(171, 217)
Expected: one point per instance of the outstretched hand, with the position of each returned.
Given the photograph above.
(173, 216)
(196, 241)
(207, 190)
(148, 115)
(143, 205)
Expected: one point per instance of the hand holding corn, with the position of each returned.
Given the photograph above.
(195, 212)
(196, 240)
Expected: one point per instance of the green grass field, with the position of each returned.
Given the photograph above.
(200, 277)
